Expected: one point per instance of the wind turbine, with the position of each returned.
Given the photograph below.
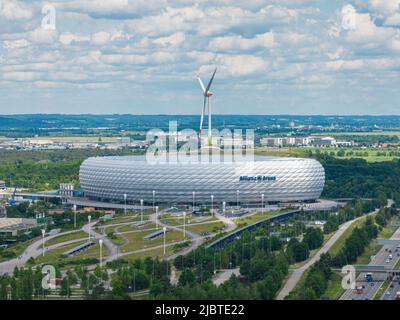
(207, 101)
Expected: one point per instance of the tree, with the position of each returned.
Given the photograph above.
(187, 277)
(314, 238)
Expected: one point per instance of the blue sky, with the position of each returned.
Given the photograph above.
(142, 56)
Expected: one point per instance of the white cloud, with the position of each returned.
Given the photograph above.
(14, 10)
(67, 38)
(13, 44)
(101, 38)
(172, 40)
(240, 65)
(43, 36)
(237, 42)
(21, 76)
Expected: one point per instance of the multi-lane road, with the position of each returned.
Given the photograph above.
(370, 289)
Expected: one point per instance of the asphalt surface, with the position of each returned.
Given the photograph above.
(294, 278)
(34, 250)
(371, 288)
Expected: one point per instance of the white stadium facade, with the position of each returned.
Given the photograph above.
(278, 179)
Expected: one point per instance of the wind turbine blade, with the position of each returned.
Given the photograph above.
(212, 79)
(201, 85)
(202, 116)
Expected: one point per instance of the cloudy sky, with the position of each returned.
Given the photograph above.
(142, 56)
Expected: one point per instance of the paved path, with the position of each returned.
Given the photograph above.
(297, 273)
(34, 250)
(225, 275)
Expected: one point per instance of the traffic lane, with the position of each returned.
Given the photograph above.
(391, 291)
(369, 291)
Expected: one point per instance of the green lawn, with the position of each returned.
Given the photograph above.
(136, 240)
(67, 237)
(334, 290)
(56, 255)
(129, 227)
(382, 289)
(304, 151)
(334, 250)
(93, 252)
(206, 227)
(121, 218)
(150, 253)
(257, 217)
(14, 251)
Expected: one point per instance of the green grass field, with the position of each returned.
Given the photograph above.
(206, 227)
(130, 228)
(56, 255)
(67, 237)
(341, 241)
(334, 290)
(369, 154)
(136, 240)
(14, 251)
(150, 253)
(257, 217)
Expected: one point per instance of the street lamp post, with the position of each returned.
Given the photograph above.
(89, 218)
(237, 199)
(154, 199)
(43, 233)
(125, 203)
(212, 205)
(164, 230)
(141, 210)
(74, 209)
(157, 217)
(101, 252)
(184, 225)
(193, 196)
(262, 203)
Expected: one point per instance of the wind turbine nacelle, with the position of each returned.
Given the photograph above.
(209, 94)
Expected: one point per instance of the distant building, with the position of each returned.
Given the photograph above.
(324, 142)
(280, 141)
(16, 226)
(66, 190)
(2, 185)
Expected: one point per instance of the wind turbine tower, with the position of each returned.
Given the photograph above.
(207, 103)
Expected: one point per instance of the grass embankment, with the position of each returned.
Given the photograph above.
(150, 253)
(369, 154)
(14, 251)
(382, 289)
(137, 242)
(212, 227)
(244, 221)
(339, 244)
(67, 237)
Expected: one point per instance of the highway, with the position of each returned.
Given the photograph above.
(371, 288)
(294, 278)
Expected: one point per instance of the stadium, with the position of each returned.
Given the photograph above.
(271, 179)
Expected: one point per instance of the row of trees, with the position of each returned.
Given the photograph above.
(318, 276)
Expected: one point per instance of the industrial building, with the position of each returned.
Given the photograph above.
(271, 179)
